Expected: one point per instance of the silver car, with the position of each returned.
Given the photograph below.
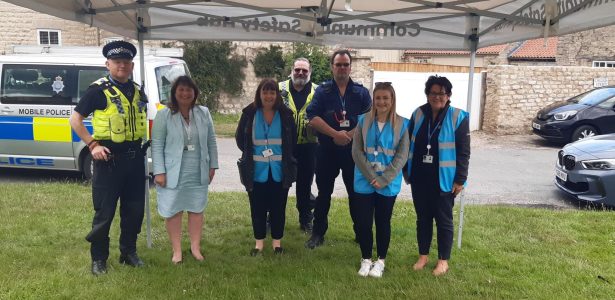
(586, 170)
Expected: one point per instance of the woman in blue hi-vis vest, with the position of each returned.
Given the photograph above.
(266, 136)
(437, 168)
(380, 150)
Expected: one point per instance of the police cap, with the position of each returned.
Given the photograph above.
(119, 49)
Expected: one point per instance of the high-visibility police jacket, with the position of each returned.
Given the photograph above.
(447, 153)
(267, 137)
(304, 134)
(122, 120)
(380, 148)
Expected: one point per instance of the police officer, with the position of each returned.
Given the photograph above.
(333, 113)
(119, 119)
(297, 93)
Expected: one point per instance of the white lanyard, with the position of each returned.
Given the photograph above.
(188, 126)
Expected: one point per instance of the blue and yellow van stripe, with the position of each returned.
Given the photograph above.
(40, 129)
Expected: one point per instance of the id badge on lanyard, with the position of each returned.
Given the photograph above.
(428, 158)
(344, 123)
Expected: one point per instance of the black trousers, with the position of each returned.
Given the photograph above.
(306, 164)
(329, 161)
(368, 207)
(430, 203)
(269, 197)
(123, 178)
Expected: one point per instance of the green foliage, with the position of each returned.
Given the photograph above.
(269, 63)
(318, 57)
(225, 124)
(215, 69)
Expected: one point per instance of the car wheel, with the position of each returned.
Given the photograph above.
(88, 166)
(582, 132)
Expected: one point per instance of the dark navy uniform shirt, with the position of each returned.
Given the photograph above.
(327, 104)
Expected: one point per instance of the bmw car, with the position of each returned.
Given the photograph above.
(585, 115)
(586, 170)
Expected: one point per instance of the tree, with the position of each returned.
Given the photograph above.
(318, 57)
(269, 63)
(215, 69)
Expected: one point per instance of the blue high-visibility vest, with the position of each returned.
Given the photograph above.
(379, 147)
(447, 153)
(265, 137)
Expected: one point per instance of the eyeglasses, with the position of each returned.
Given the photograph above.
(431, 94)
(339, 65)
(299, 70)
(383, 83)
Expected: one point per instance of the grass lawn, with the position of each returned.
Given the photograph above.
(508, 252)
(225, 124)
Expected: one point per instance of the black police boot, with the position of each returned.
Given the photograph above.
(305, 222)
(132, 260)
(99, 267)
(314, 241)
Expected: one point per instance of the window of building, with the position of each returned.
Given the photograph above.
(604, 64)
(49, 37)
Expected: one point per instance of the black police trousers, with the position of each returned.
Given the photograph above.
(330, 160)
(122, 177)
(306, 164)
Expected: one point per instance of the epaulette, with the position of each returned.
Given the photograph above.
(327, 85)
(102, 83)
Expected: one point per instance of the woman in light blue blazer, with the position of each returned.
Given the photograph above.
(185, 159)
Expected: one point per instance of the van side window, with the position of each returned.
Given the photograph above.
(33, 84)
(165, 76)
(86, 77)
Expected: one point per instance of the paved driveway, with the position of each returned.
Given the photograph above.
(511, 169)
(516, 169)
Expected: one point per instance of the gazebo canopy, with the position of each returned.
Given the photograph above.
(375, 24)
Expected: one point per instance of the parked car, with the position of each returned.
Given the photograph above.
(586, 169)
(585, 115)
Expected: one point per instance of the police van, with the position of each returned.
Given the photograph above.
(39, 88)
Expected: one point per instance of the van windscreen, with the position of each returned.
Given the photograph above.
(165, 76)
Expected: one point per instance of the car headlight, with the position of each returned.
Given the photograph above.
(599, 164)
(565, 115)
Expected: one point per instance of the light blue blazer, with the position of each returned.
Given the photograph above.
(168, 144)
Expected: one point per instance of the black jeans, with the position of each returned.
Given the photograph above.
(306, 164)
(430, 203)
(269, 197)
(368, 207)
(122, 178)
(330, 160)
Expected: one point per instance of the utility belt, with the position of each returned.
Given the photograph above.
(126, 150)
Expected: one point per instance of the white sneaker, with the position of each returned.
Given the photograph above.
(366, 264)
(377, 269)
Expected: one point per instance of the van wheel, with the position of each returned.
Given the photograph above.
(88, 166)
(582, 132)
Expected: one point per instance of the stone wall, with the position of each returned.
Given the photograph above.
(18, 26)
(361, 72)
(514, 94)
(580, 49)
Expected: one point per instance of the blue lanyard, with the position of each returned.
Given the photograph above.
(378, 133)
(342, 102)
(430, 133)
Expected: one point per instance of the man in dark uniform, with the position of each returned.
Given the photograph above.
(298, 92)
(333, 113)
(119, 119)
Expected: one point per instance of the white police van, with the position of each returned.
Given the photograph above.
(39, 88)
